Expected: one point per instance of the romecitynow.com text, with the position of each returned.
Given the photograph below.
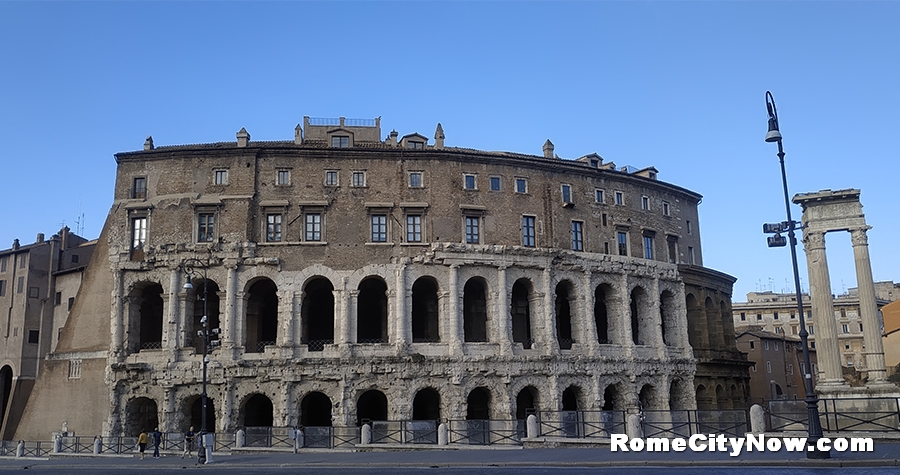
(735, 445)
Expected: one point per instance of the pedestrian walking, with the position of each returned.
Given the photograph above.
(188, 442)
(142, 442)
(157, 438)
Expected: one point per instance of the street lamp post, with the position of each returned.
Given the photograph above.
(812, 401)
(195, 267)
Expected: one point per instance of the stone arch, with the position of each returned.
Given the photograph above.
(315, 410)
(614, 398)
(564, 305)
(697, 328)
(527, 402)
(262, 315)
(640, 318)
(192, 409)
(317, 313)
(426, 405)
(371, 311)
(668, 317)
(721, 398)
(146, 330)
(648, 397)
(679, 395)
(571, 398)
(425, 325)
(6, 389)
(256, 411)
(372, 405)
(704, 399)
(520, 311)
(475, 310)
(602, 298)
(141, 413)
(212, 310)
(478, 404)
(714, 326)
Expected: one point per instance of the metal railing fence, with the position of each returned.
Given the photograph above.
(484, 432)
(580, 424)
(837, 415)
(684, 423)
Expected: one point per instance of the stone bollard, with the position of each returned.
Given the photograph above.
(20, 449)
(298, 440)
(240, 438)
(98, 445)
(57, 444)
(531, 427)
(365, 435)
(757, 419)
(633, 427)
(443, 434)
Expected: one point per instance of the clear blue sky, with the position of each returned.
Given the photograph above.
(676, 85)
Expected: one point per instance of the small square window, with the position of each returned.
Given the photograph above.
(495, 183)
(620, 198)
(34, 292)
(415, 179)
(566, 194)
(521, 185)
(331, 178)
(33, 337)
(340, 141)
(273, 228)
(472, 230)
(743, 317)
(469, 182)
(359, 179)
(665, 208)
(645, 203)
(598, 196)
(313, 227)
(74, 258)
(414, 228)
(752, 344)
(577, 236)
(221, 177)
(283, 177)
(139, 190)
(379, 228)
(775, 316)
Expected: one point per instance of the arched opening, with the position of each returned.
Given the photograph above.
(696, 323)
(196, 413)
(262, 316)
(371, 312)
(612, 399)
(667, 317)
(6, 386)
(570, 398)
(371, 406)
(315, 410)
(475, 310)
(427, 405)
(478, 404)
(647, 397)
(257, 412)
(526, 404)
(521, 313)
(714, 326)
(212, 311)
(638, 304)
(704, 400)
(564, 315)
(601, 317)
(151, 318)
(317, 314)
(722, 402)
(141, 414)
(425, 311)
(570, 420)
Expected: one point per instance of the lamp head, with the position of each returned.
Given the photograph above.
(773, 135)
(188, 285)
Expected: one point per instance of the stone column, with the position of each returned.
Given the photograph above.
(227, 318)
(352, 302)
(227, 422)
(656, 327)
(170, 313)
(547, 316)
(827, 352)
(285, 338)
(118, 320)
(868, 308)
(588, 333)
(455, 339)
(185, 319)
(621, 315)
(400, 313)
(169, 422)
(501, 315)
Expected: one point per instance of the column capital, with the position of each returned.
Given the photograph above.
(858, 236)
(814, 240)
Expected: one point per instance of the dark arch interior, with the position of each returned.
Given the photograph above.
(372, 406)
(610, 398)
(521, 315)
(141, 414)
(601, 318)
(262, 316)
(425, 311)
(570, 399)
(258, 411)
(427, 405)
(315, 410)
(372, 312)
(637, 335)
(475, 311)
(525, 402)
(563, 316)
(317, 314)
(6, 375)
(151, 317)
(478, 404)
(197, 414)
(212, 311)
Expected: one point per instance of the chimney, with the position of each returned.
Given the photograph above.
(439, 137)
(40, 238)
(148, 144)
(298, 135)
(548, 149)
(243, 137)
(15, 245)
(392, 138)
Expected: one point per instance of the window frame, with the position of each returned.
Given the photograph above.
(354, 183)
(206, 229)
(417, 232)
(472, 229)
(335, 174)
(220, 176)
(274, 226)
(283, 177)
(314, 229)
(522, 185)
(473, 177)
(648, 241)
(421, 179)
(666, 208)
(645, 203)
(340, 141)
(619, 198)
(138, 242)
(383, 232)
(499, 181)
(139, 193)
(577, 233)
(565, 191)
(599, 195)
(622, 242)
(529, 222)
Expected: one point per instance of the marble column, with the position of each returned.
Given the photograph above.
(501, 316)
(352, 298)
(588, 333)
(401, 316)
(868, 308)
(827, 352)
(227, 319)
(454, 339)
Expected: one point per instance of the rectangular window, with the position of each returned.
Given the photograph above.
(743, 317)
(752, 345)
(469, 182)
(331, 178)
(472, 234)
(648, 247)
(606, 247)
(793, 315)
(414, 228)
(528, 231)
(810, 330)
(690, 255)
(70, 303)
(2, 288)
(221, 177)
(21, 262)
(415, 179)
(3, 263)
(75, 369)
(74, 258)
(379, 228)
(206, 223)
(603, 219)
(759, 316)
(33, 337)
(340, 141)
(768, 363)
(495, 183)
(57, 299)
(620, 198)
(283, 177)
(138, 232)
(273, 228)
(598, 196)
(775, 316)
(672, 243)
(665, 208)
(690, 229)
(622, 239)
(521, 185)
(860, 328)
(577, 236)
(416, 144)
(313, 227)
(767, 345)
(845, 328)
(139, 190)
(359, 179)
(645, 203)
(20, 284)
(34, 292)
(566, 193)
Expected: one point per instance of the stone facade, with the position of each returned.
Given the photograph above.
(777, 371)
(359, 279)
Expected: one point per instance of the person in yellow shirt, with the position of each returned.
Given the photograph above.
(142, 442)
